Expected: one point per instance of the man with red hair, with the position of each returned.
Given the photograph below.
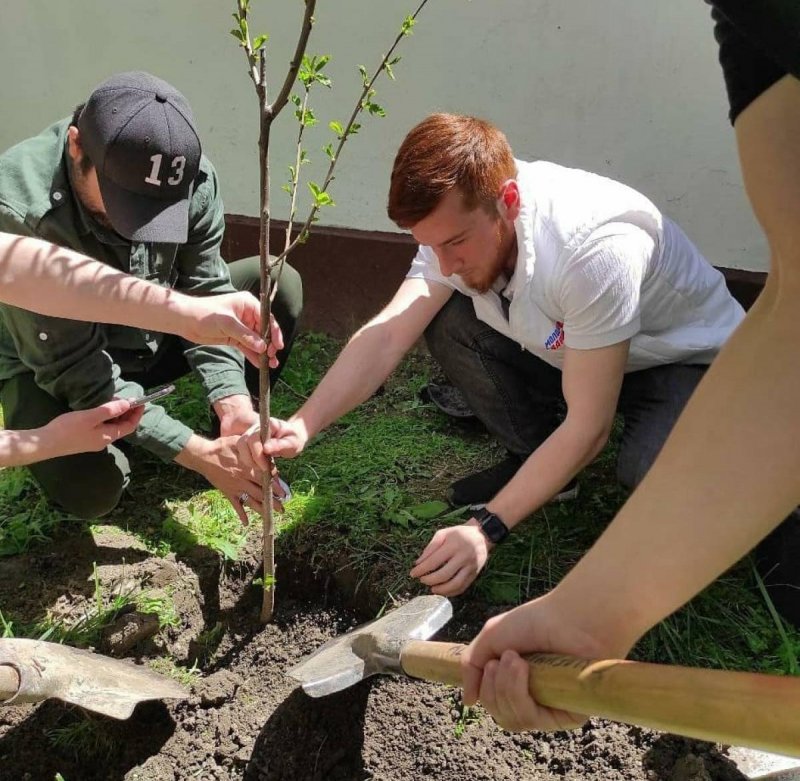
(537, 287)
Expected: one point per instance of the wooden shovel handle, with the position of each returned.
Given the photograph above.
(9, 682)
(743, 709)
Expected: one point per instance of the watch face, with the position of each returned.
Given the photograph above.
(494, 529)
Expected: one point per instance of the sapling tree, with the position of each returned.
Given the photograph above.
(307, 71)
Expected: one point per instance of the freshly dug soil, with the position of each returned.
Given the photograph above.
(244, 719)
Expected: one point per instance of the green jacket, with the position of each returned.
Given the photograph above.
(85, 364)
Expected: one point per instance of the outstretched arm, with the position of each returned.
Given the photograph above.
(591, 381)
(73, 432)
(368, 359)
(47, 279)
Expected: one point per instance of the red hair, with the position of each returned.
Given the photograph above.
(446, 151)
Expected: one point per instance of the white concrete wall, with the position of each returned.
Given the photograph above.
(626, 88)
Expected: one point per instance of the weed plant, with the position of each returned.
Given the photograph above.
(187, 676)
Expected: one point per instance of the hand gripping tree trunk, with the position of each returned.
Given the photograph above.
(309, 71)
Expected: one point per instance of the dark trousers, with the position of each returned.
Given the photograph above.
(89, 485)
(518, 397)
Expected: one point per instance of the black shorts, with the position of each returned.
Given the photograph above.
(759, 43)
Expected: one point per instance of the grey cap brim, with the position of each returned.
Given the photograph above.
(138, 218)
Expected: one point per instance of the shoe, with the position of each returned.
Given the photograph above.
(448, 399)
(777, 560)
(569, 492)
(478, 489)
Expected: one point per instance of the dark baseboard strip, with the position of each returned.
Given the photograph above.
(349, 275)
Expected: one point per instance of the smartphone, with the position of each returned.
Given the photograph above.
(159, 393)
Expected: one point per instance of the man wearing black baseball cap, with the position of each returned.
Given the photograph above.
(139, 134)
(125, 181)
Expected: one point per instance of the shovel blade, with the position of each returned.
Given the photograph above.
(92, 681)
(372, 648)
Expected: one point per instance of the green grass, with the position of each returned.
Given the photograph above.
(206, 519)
(25, 515)
(183, 675)
(85, 631)
(84, 738)
(94, 617)
(368, 496)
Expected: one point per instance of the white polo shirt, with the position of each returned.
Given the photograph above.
(598, 264)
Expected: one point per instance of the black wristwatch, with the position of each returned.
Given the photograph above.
(491, 525)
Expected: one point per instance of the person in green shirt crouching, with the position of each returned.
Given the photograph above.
(124, 181)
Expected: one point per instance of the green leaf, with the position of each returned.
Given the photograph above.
(364, 76)
(336, 127)
(428, 510)
(306, 118)
(389, 71)
(296, 100)
(354, 128)
(328, 149)
(398, 518)
(303, 156)
(321, 198)
(260, 41)
(306, 72)
(237, 33)
(376, 110)
(311, 70)
(287, 188)
(408, 25)
(228, 549)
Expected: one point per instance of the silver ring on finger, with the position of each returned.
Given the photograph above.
(243, 497)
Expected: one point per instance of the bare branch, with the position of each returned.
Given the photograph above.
(296, 178)
(294, 65)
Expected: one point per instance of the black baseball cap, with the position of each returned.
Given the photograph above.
(139, 132)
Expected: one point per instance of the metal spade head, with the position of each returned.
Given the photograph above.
(109, 686)
(373, 648)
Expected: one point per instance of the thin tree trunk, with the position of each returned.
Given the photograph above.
(268, 600)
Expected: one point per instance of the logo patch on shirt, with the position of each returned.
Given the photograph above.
(556, 339)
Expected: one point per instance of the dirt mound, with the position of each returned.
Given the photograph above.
(245, 719)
